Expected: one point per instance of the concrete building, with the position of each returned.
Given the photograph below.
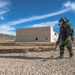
(37, 34)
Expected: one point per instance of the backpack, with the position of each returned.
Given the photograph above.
(71, 31)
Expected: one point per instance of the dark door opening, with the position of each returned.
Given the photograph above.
(36, 38)
(46, 38)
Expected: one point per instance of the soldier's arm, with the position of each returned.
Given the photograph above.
(68, 33)
(72, 33)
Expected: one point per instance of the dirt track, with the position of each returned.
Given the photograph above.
(36, 63)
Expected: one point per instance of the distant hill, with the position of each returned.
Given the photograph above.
(7, 37)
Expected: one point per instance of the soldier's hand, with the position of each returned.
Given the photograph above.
(72, 38)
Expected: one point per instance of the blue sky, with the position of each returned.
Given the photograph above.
(34, 13)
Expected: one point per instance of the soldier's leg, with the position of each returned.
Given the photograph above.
(62, 50)
(69, 47)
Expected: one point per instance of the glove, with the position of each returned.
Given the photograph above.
(72, 38)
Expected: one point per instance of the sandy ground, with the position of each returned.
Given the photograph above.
(36, 63)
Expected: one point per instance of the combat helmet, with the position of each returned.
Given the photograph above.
(64, 20)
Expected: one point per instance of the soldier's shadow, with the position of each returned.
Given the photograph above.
(29, 58)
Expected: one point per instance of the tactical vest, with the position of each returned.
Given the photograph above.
(63, 32)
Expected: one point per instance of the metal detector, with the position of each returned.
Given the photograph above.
(54, 50)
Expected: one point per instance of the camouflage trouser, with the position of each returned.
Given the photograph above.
(68, 45)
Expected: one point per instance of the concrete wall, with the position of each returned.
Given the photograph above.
(38, 34)
(54, 36)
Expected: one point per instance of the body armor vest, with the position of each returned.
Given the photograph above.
(63, 32)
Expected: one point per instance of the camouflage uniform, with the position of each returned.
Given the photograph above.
(65, 39)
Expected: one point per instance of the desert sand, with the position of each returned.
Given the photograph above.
(35, 62)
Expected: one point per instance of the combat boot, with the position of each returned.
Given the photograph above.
(60, 57)
(71, 55)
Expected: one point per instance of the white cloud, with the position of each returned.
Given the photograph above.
(2, 18)
(9, 26)
(43, 24)
(35, 18)
(2, 12)
(4, 7)
(70, 5)
(4, 4)
(7, 30)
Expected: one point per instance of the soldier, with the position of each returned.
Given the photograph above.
(65, 37)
